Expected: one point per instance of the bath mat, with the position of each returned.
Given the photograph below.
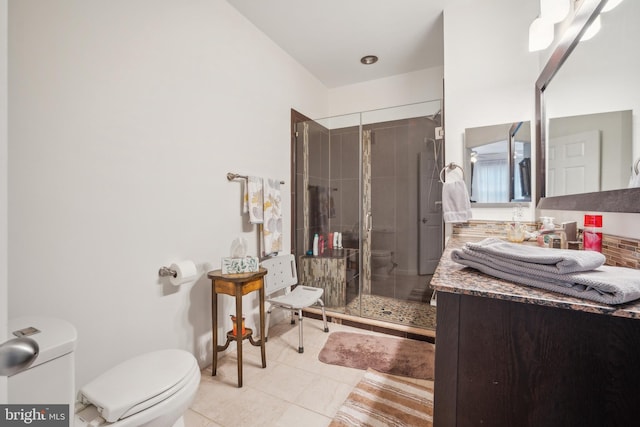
(382, 400)
(397, 356)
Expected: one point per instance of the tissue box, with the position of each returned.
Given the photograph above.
(248, 264)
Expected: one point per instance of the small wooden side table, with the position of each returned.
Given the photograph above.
(236, 285)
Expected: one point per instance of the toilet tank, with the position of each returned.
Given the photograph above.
(51, 377)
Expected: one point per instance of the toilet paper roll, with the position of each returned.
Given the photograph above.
(185, 271)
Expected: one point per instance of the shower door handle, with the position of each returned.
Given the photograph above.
(17, 354)
(369, 221)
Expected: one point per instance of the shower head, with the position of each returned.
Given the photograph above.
(436, 117)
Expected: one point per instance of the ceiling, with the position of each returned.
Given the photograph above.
(328, 37)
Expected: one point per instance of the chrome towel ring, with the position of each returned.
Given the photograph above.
(451, 166)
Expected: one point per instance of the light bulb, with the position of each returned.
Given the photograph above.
(540, 35)
(592, 30)
(554, 11)
(610, 5)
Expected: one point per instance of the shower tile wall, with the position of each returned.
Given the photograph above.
(345, 183)
(318, 172)
(394, 170)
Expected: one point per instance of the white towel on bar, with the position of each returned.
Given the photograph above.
(456, 206)
(634, 181)
(254, 199)
(272, 225)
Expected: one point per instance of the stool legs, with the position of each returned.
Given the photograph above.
(263, 334)
(239, 332)
(214, 322)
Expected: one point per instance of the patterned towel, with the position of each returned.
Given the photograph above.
(272, 225)
(253, 200)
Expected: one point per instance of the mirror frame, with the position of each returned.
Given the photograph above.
(624, 200)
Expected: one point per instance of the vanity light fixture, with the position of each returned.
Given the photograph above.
(541, 30)
(369, 59)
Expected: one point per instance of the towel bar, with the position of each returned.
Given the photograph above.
(231, 176)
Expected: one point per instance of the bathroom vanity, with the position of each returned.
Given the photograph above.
(508, 354)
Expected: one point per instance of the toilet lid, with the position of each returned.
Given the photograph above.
(139, 383)
(380, 252)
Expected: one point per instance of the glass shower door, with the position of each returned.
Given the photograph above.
(403, 156)
(327, 195)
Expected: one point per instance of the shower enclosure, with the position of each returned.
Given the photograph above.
(373, 177)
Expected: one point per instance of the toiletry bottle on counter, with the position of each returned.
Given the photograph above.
(315, 245)
(592, 235)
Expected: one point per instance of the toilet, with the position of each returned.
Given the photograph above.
(152, 389)
(381, 253)
(380, 262)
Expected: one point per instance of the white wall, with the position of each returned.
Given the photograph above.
(402, 89)
(125, 117)
(489, 73)
(3, 185)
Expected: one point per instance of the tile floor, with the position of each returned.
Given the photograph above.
(295, 389)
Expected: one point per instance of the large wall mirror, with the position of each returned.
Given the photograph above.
(587, 113)
(498, 161)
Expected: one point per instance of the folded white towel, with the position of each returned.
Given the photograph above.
(254, 200)
(604, 284)
(272, 225)
(533, 259)
(456, 206)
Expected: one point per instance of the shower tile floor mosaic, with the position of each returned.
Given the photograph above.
(410, 313)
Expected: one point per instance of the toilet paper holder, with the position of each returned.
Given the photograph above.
(167, 272)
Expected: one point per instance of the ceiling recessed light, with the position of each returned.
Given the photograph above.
(369, 59)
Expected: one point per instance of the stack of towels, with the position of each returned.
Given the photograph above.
(579, 274)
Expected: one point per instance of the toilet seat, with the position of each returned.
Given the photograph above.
(157, 376)
(380, 253)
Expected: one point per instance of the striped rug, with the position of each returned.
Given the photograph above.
(381, 400)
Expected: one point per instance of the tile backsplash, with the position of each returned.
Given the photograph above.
(619, 251)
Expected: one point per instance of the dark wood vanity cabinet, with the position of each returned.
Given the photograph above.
(506, 363)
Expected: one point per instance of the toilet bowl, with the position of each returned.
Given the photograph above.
(380, 262)
(152, 390)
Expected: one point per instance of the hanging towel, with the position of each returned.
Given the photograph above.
(456, 206)
(272, 225)
(634, 181)
(254, 200)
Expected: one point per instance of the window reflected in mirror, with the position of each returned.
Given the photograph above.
(493, 178)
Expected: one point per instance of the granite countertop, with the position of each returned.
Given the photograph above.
(456, 278)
